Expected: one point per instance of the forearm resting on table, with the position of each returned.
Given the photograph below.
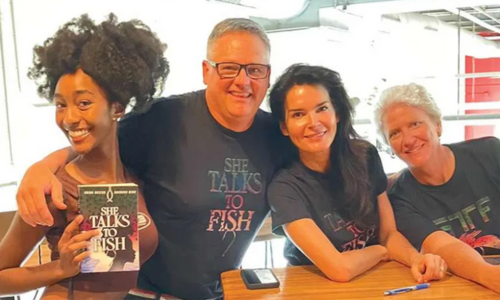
(462, 259)
(400, 249)
(342, 267)
(357, 262)
(23, 279)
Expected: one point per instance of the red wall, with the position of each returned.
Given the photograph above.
(481, 90)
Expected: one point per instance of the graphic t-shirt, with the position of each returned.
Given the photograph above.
(205, 188)
(467, 206)
(298, 192)
(98, 282)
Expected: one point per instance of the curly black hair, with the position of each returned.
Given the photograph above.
(125, 59)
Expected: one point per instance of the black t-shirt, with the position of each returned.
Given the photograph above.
(298, 192)
(467, 206)
(205, 187)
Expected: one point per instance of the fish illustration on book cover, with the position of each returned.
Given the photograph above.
(112, 208)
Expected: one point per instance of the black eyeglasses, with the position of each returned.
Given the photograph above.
(232, 70)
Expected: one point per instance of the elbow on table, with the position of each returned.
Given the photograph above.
(340, 274)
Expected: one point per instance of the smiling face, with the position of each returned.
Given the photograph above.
(236, 98)
(412, 134)
(83, 112)
(310, 119)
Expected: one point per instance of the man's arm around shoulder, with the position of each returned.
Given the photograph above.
(38, 181)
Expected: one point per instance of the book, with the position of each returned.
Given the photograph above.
(112, 208)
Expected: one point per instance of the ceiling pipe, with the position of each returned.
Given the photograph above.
(472, 44)
(485, 13)
(236, 2)
(262, 9)
(405, 6)
(307, 17)
(473, 19)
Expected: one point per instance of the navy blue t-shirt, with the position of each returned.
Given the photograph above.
(298, 192)
(205, 187)
(467, 206)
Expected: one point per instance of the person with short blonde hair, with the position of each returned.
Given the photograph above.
(411, 94)
(447, 201)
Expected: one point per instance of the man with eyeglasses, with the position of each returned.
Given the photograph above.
(205, 164)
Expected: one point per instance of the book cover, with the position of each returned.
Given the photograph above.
(113, 209)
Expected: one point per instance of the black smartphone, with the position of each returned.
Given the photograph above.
(259, 279)
(493, 260)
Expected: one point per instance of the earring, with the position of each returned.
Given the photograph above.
(114, 119)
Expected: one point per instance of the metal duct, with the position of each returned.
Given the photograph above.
(309, 15)
(236, 2)
(267, 9)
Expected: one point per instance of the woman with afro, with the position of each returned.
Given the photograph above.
(91, 72)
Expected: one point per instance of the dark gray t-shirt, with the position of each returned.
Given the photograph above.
(204, 186)
(298, 192)
(467, 206)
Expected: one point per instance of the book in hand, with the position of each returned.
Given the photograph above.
(112, 208)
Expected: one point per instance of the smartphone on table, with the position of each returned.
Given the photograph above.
(255, 279)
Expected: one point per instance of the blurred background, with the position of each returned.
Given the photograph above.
(451, 47)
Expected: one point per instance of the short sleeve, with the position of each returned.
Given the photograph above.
(415, 226)
(493, 147)
(135, 133)
(376, 171)
(286, 203)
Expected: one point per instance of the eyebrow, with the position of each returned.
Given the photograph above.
(393, 131)
(82, 92)
(58, 96)
(299, 109)
(75, 93)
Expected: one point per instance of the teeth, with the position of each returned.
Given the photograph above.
(240, 94)
(78, 133)
(316, 135)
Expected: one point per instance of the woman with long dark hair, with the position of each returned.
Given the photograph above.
(330, 200)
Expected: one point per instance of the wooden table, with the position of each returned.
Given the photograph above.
(308, 283)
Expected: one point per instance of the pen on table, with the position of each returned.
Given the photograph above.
(407, 289)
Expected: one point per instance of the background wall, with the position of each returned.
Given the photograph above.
(372, 49)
